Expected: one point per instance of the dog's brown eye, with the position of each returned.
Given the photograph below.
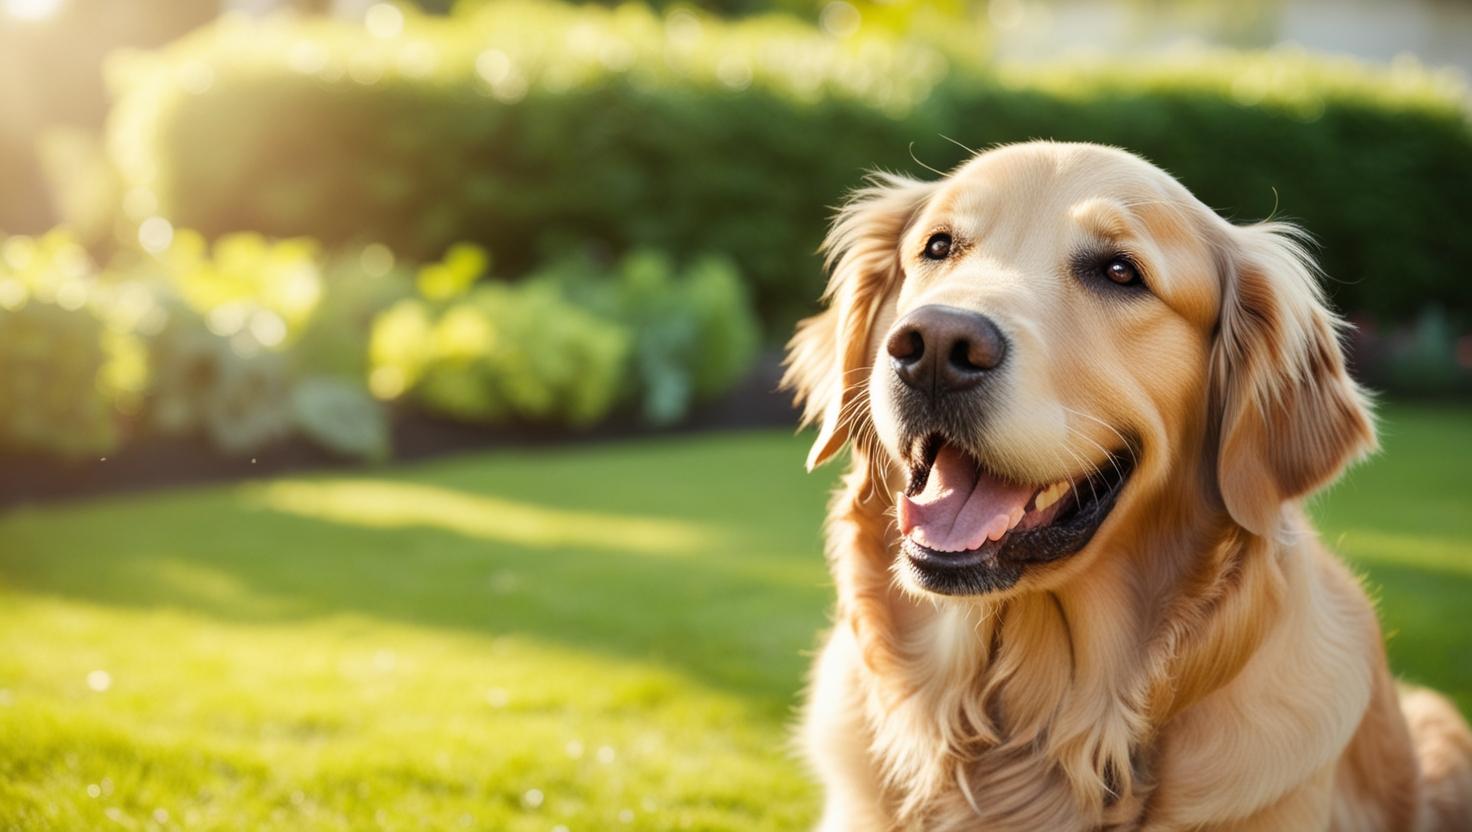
(938, 247)
(1122, 271)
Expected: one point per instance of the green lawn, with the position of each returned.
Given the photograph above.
(598, 638)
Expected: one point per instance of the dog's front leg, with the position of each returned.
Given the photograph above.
(836, 738)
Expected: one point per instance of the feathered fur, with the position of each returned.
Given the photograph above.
(1204, 663)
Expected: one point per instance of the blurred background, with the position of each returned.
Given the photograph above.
(387, 424)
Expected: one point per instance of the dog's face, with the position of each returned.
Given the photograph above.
(1056, 310)
(1051, 337)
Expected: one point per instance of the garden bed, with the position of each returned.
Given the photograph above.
(163, 462)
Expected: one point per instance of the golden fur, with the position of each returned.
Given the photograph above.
(1203, 663)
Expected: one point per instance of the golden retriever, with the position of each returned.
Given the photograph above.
(1076, 587)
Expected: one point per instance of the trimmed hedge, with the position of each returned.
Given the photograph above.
(525, 126)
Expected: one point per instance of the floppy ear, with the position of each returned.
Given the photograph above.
(828, 355)
(1291, 417)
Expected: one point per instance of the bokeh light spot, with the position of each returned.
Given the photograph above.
(155, 234)
(376, 260)
(31, 9)
(99, 680)
(384, 20)
(839, 19)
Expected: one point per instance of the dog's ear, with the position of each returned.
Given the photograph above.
(1291, 418)
(828, 357)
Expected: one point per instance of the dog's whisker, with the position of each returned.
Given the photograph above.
(1108, 456)
(1090, 470)
(1125, 443)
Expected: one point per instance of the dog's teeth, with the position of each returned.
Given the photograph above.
(1051, 494)
(998, 529)
(1046, 497)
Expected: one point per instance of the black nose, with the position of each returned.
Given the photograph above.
(942, 349)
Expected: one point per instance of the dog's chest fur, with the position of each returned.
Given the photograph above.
(984, 739)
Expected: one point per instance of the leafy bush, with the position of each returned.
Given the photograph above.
(567, 345)
(694, 336)
(248, 350)
(204, 382)
(334, 340)
(501, 355)
(340, 416)
(719, 140)
(64, 375)
(523, 126)
(50, 361)
(230, 341)
(249, 341)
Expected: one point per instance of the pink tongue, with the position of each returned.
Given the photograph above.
(961, 508)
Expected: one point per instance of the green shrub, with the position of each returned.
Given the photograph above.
(340, 416)
(65, 376)
(725, 140)
(357, 285)
(204, 382)
(233, 341)
(570, 343)
(50, 361)
(524, 126)
(694, 335)
(256, 340)
(248, 341)
(501, 355)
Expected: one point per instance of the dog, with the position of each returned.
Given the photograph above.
(1076, 588)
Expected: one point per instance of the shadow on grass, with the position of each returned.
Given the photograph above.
(699, 553)
(703, 556)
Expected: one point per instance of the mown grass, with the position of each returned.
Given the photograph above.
(595, 638)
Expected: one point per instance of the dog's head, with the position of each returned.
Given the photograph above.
(1036, 349)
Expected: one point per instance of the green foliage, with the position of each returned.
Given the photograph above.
(568, 344)
(244, 345)
(694, 334)
(708, 138)
(524, 125)
(248, 341)
(51, 360)
(245, 282)
(339, 415)
(232, 341)
(357, 286)
(205, 382)
(502, 354)
(65, 375)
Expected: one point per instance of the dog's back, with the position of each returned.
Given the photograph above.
(1444, 752)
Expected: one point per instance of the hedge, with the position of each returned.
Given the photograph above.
(525, 126)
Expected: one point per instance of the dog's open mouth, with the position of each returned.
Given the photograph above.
(969, 531)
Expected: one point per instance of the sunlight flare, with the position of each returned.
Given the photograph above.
(387, 504)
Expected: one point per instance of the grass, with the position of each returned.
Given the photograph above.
(605, 638)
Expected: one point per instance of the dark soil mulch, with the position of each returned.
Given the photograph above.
(171, 462)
